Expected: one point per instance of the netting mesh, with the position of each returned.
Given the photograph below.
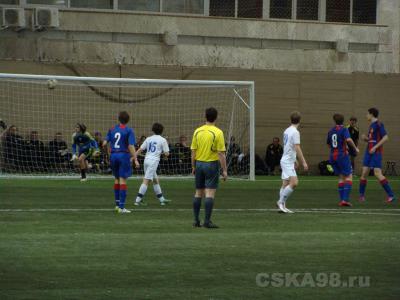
(41, 116)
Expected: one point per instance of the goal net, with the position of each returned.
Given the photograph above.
(41, 113)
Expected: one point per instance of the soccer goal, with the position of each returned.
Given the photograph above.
(41, 113)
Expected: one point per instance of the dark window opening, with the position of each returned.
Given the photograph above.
(338, 11)
(280, 9)
(364, 11)
(307, 9)
(250, 8)
(222, 8)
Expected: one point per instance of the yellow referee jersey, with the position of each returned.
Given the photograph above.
(208, 140)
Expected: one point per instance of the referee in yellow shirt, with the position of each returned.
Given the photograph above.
(208, 156)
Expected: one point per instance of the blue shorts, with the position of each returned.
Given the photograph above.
(207, 175)
(342, 166)
(372, 161)
(121, 165)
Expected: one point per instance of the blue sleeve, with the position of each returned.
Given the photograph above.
(382, 130)
(131, 138)
(73, 148)
(346, 133)
(328, 138)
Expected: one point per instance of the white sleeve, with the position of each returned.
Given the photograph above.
(144, 145)
(165, 146)
(296, 138)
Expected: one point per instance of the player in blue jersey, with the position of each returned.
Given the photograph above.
(122, 143)
(377, 136)
(338, 139)
(84, 146)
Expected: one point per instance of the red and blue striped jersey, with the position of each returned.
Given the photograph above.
(375, 133)
(337, 141)
(120, 137)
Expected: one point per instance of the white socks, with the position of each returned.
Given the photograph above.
(142, 192)
(158, 192)
(285, 193)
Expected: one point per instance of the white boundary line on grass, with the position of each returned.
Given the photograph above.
(377, 211)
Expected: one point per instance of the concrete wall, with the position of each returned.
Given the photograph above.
(316, 95)
(142, 39)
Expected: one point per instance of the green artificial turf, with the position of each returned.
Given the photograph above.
(61, 239)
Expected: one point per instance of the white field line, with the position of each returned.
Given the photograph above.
(378, 211)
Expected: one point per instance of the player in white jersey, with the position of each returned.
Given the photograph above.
(291, 150)
(154, 146)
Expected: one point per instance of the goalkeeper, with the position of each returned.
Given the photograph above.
(87, 145)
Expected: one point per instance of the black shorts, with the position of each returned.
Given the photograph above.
(207, 175)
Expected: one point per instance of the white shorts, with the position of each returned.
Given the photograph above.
(150, 169)
(288, 170)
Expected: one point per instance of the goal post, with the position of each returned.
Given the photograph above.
(41, 112)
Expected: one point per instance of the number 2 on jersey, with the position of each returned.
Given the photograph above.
(117, 137)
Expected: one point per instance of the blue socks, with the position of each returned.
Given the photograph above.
(341, 189)
(347, 190)
(122, 195)
(363, 186)
(196, 208)
(387, 188)
(209, 204)
(116, 194)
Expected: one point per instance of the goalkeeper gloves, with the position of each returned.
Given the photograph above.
(74, 157)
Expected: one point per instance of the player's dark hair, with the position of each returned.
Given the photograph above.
(353, 119)
(374, 111)
(211, 114)
(123, 117)
(157, 128)
(82, 127)
(295, 117)
(338, 118)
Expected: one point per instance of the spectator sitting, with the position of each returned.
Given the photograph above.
(181, 156)
(232, 155)
(13, 146)
(58, 149)
(36, 152)
(273, 155)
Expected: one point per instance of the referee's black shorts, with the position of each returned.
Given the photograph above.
(207, 174)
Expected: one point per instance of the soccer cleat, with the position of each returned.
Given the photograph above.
(140, 203)
(165, 202)
(123, 211)
(281, 207)
(361, 199)
(83, 179)
(390, 200)
(345, 203)
(196, 224)
(210, 225)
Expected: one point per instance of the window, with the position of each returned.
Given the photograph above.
(250, 8)
(14, 2)
(184, 6)
(281, 9)
(222, 8)
(338, 11)
(364, 11)
(47, 2)
(100, 4)
(141, 5)
(307, 10)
